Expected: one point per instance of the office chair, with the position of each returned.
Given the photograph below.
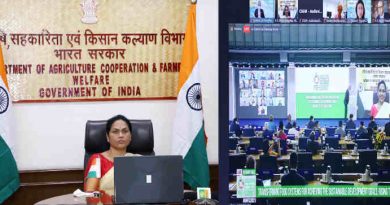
(267, 166)
(364, 143)
(385, 141)
(367, 157)
(302, 143)
(248, 132)
(307, 132)
(233, 143)
(256, 142)
(236, 161)
(352, 132)
(306, 165)
(142, 141)
(335, 160)
(333, 142)
(330, 131)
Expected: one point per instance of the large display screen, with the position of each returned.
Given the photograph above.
(319, 11)
(373, 92)
(321, 91)
(261, 92)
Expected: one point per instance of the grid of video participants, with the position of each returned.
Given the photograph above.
(261, 92)
(319, 11)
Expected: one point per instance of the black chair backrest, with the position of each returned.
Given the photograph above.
(302, 143)
(268, 162)
(368, 157)
(363, 143)
(233, 143)
(236, 162)
(333, 142)
(142, 140)
(335, 160)
(385, 141)
(256, 142)
(305, 160)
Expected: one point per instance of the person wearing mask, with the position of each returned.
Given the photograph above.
(312, 145)
(235, 127)
(311, 123)
(259, 12)
(350, 123)
(340, 131)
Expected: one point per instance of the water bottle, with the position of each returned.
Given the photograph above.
(355, 151)
(238, 149)
(385, 149)
(285, 170)
(367, 173)
(328, 177)
(327, 147)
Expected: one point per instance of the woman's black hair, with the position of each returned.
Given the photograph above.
(114, 119)
(364, 8)
(382, 82)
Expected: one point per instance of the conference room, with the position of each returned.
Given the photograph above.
(70, 66)
(308, 105)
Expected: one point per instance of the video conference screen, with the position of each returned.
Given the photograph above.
(319, 11)
(261, 92)
(373, 92)
(321, 91)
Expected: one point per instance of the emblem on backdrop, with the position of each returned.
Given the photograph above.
(89, 8)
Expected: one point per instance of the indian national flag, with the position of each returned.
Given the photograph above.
(188, 129)
(94, 170)
(9, 175)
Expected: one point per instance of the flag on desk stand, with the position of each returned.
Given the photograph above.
(9, 175)
(188, 129)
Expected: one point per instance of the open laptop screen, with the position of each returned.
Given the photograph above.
(148, 179)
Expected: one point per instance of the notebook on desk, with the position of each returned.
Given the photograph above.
(148, 179)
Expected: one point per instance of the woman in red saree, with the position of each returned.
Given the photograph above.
(99, 174)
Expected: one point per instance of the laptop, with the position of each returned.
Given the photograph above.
(148, 179)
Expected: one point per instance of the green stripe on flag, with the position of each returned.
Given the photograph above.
(9, 175)
(196, 165)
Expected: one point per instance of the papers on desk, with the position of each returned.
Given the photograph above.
(79, 193)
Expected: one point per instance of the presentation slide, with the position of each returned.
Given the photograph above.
(335, 11)
(287, 11)
(261, 92)
(359, 11)
(373, 92)
(321, 91)
(262, 11)
(310, 11)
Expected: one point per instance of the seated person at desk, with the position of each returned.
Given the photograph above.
(99, 174)
(293, 178)
(235, 127)
(312, 145)
(289, 122)
(387, 128)
(281, 135)
(266, 132)
(311, 123)
(372, 123)
(340, 131)
(361, 131)
(350, 123)
(293, 130)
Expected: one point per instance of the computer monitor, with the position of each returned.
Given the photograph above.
(148, 179)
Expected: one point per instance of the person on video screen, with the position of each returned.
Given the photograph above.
(259, 12)
(360, 10)
(286, 12)
(381, 109)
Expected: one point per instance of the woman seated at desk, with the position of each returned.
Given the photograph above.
(99, 174)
